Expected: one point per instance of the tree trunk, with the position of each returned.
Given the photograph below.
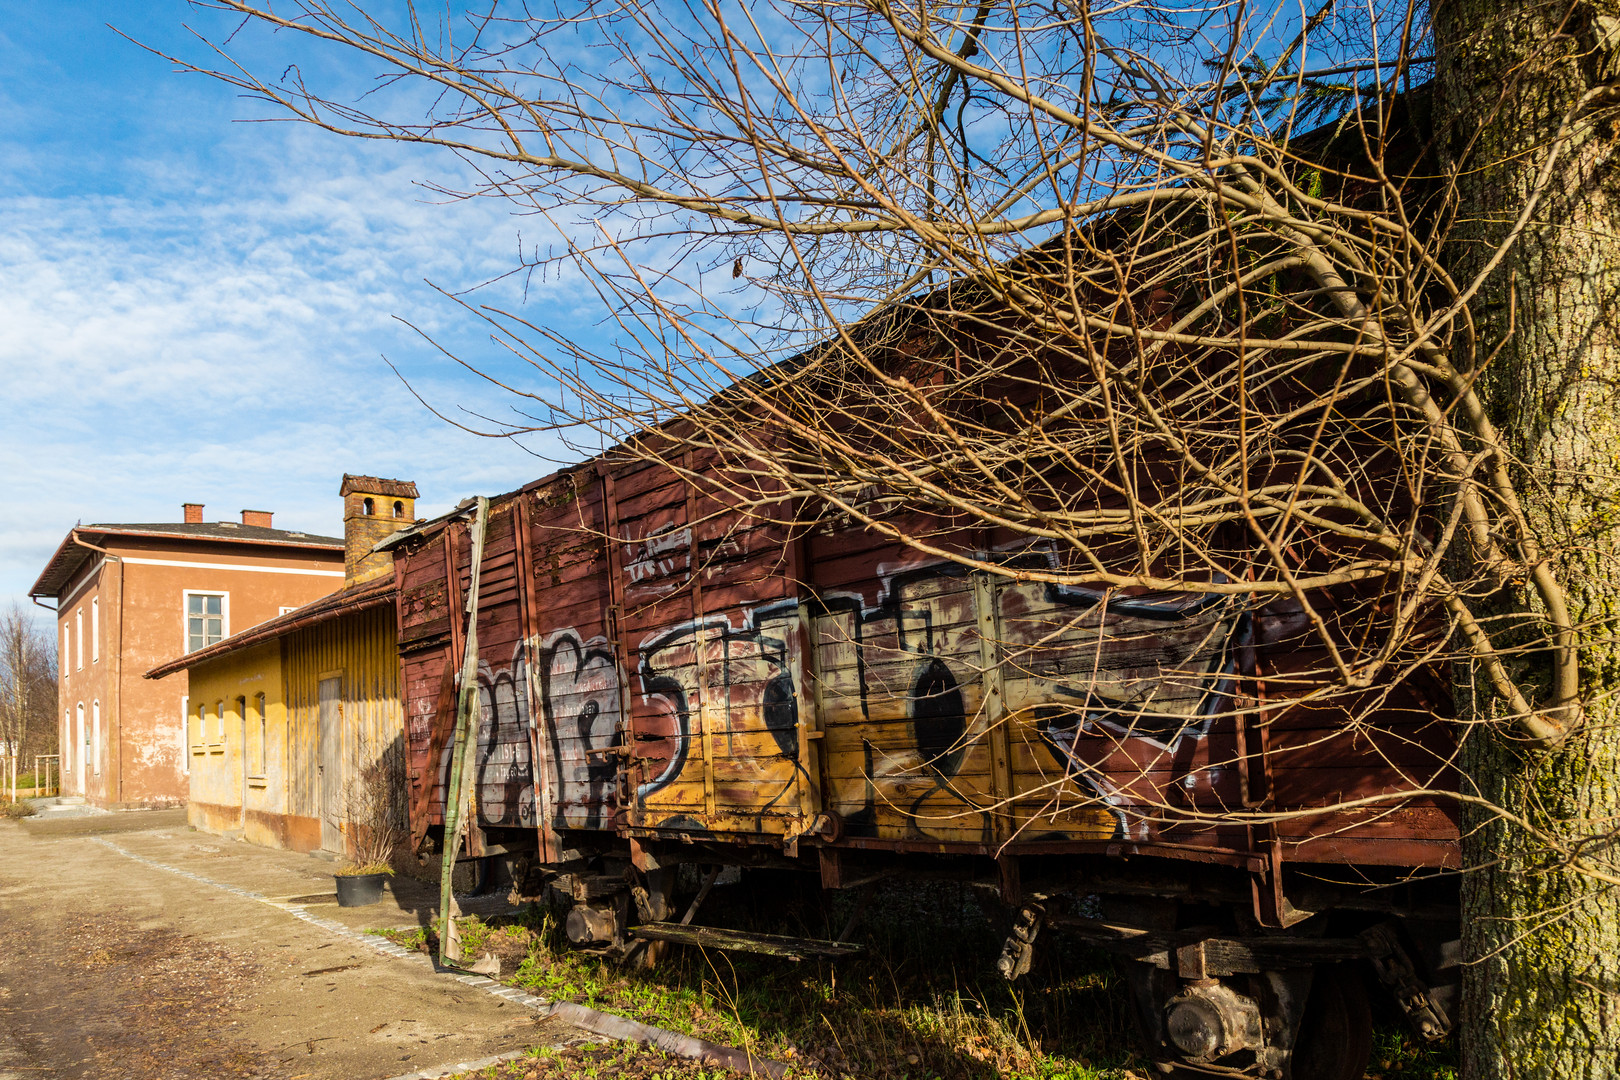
(1542, 994)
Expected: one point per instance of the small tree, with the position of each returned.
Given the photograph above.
(374, 813)
(28, 722)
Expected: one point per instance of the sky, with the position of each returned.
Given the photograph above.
(195, 308)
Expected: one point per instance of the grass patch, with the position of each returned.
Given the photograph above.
(922, 1003)
(1398, 1055)
(16, 810)
(603, 1060)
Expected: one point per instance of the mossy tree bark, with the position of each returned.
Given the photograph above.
(1542, 994)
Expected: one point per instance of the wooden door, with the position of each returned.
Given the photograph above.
(329, 732)
(713, 638)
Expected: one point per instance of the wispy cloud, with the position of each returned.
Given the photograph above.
(220, 338)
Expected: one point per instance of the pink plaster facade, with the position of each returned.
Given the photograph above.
(123, 611)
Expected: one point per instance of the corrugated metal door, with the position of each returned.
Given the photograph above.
(329, 724)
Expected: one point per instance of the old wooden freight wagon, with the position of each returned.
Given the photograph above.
(665, 679)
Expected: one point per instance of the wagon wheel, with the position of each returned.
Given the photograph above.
(1335, 1035)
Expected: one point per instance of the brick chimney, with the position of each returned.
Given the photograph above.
(373, 508)
(257, 518)
(193, 513)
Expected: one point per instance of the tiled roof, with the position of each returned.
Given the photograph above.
(226, 530)
(376, 485)
(70, 556)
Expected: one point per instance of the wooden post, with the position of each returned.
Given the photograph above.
(463, 742)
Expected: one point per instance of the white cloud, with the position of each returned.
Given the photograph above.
(219, 338)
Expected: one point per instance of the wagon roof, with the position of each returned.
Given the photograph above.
(1404, 123)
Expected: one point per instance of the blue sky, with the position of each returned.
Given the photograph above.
(197, 309)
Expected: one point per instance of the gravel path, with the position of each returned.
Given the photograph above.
(115, 968)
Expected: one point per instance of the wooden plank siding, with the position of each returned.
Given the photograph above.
(654, 662)
(360, 650)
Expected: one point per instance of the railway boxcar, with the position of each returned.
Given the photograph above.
(664, 678)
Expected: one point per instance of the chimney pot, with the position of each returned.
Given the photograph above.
(193, 513)
(257, 518)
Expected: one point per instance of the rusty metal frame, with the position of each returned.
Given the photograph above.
(994, 704)
(808, 691)
(549, 842)
(699, 640)
(616, 632)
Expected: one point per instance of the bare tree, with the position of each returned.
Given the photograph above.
(1094, 279)
(27, 685)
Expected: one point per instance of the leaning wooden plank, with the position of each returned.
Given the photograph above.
(459, 795)
(711, 937)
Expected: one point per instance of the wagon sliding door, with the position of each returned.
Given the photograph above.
(711, 626)
(966, 709)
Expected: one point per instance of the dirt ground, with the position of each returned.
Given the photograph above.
(114, 969)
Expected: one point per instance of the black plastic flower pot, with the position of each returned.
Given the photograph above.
(358, 890)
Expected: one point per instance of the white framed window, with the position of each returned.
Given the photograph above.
(67, 733)
(207, 618)
(95, 629)
(219, 710)
(185, 735)
(63, 662)
(95, 736)
(286, 610)
(78, 638)
(202, 724)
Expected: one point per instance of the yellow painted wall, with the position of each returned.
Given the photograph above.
(278, 802)
(361, 651)
(224, 732)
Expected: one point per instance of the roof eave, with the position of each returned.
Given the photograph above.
(213, 537)
(273, 629)
(66, 550)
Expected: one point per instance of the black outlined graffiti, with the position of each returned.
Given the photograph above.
(503, 765)
(1163, 668)
(579, 695)
(1156, 668)
(1085, 726)
(743, 670)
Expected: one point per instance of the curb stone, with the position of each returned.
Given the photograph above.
(440, 1071)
